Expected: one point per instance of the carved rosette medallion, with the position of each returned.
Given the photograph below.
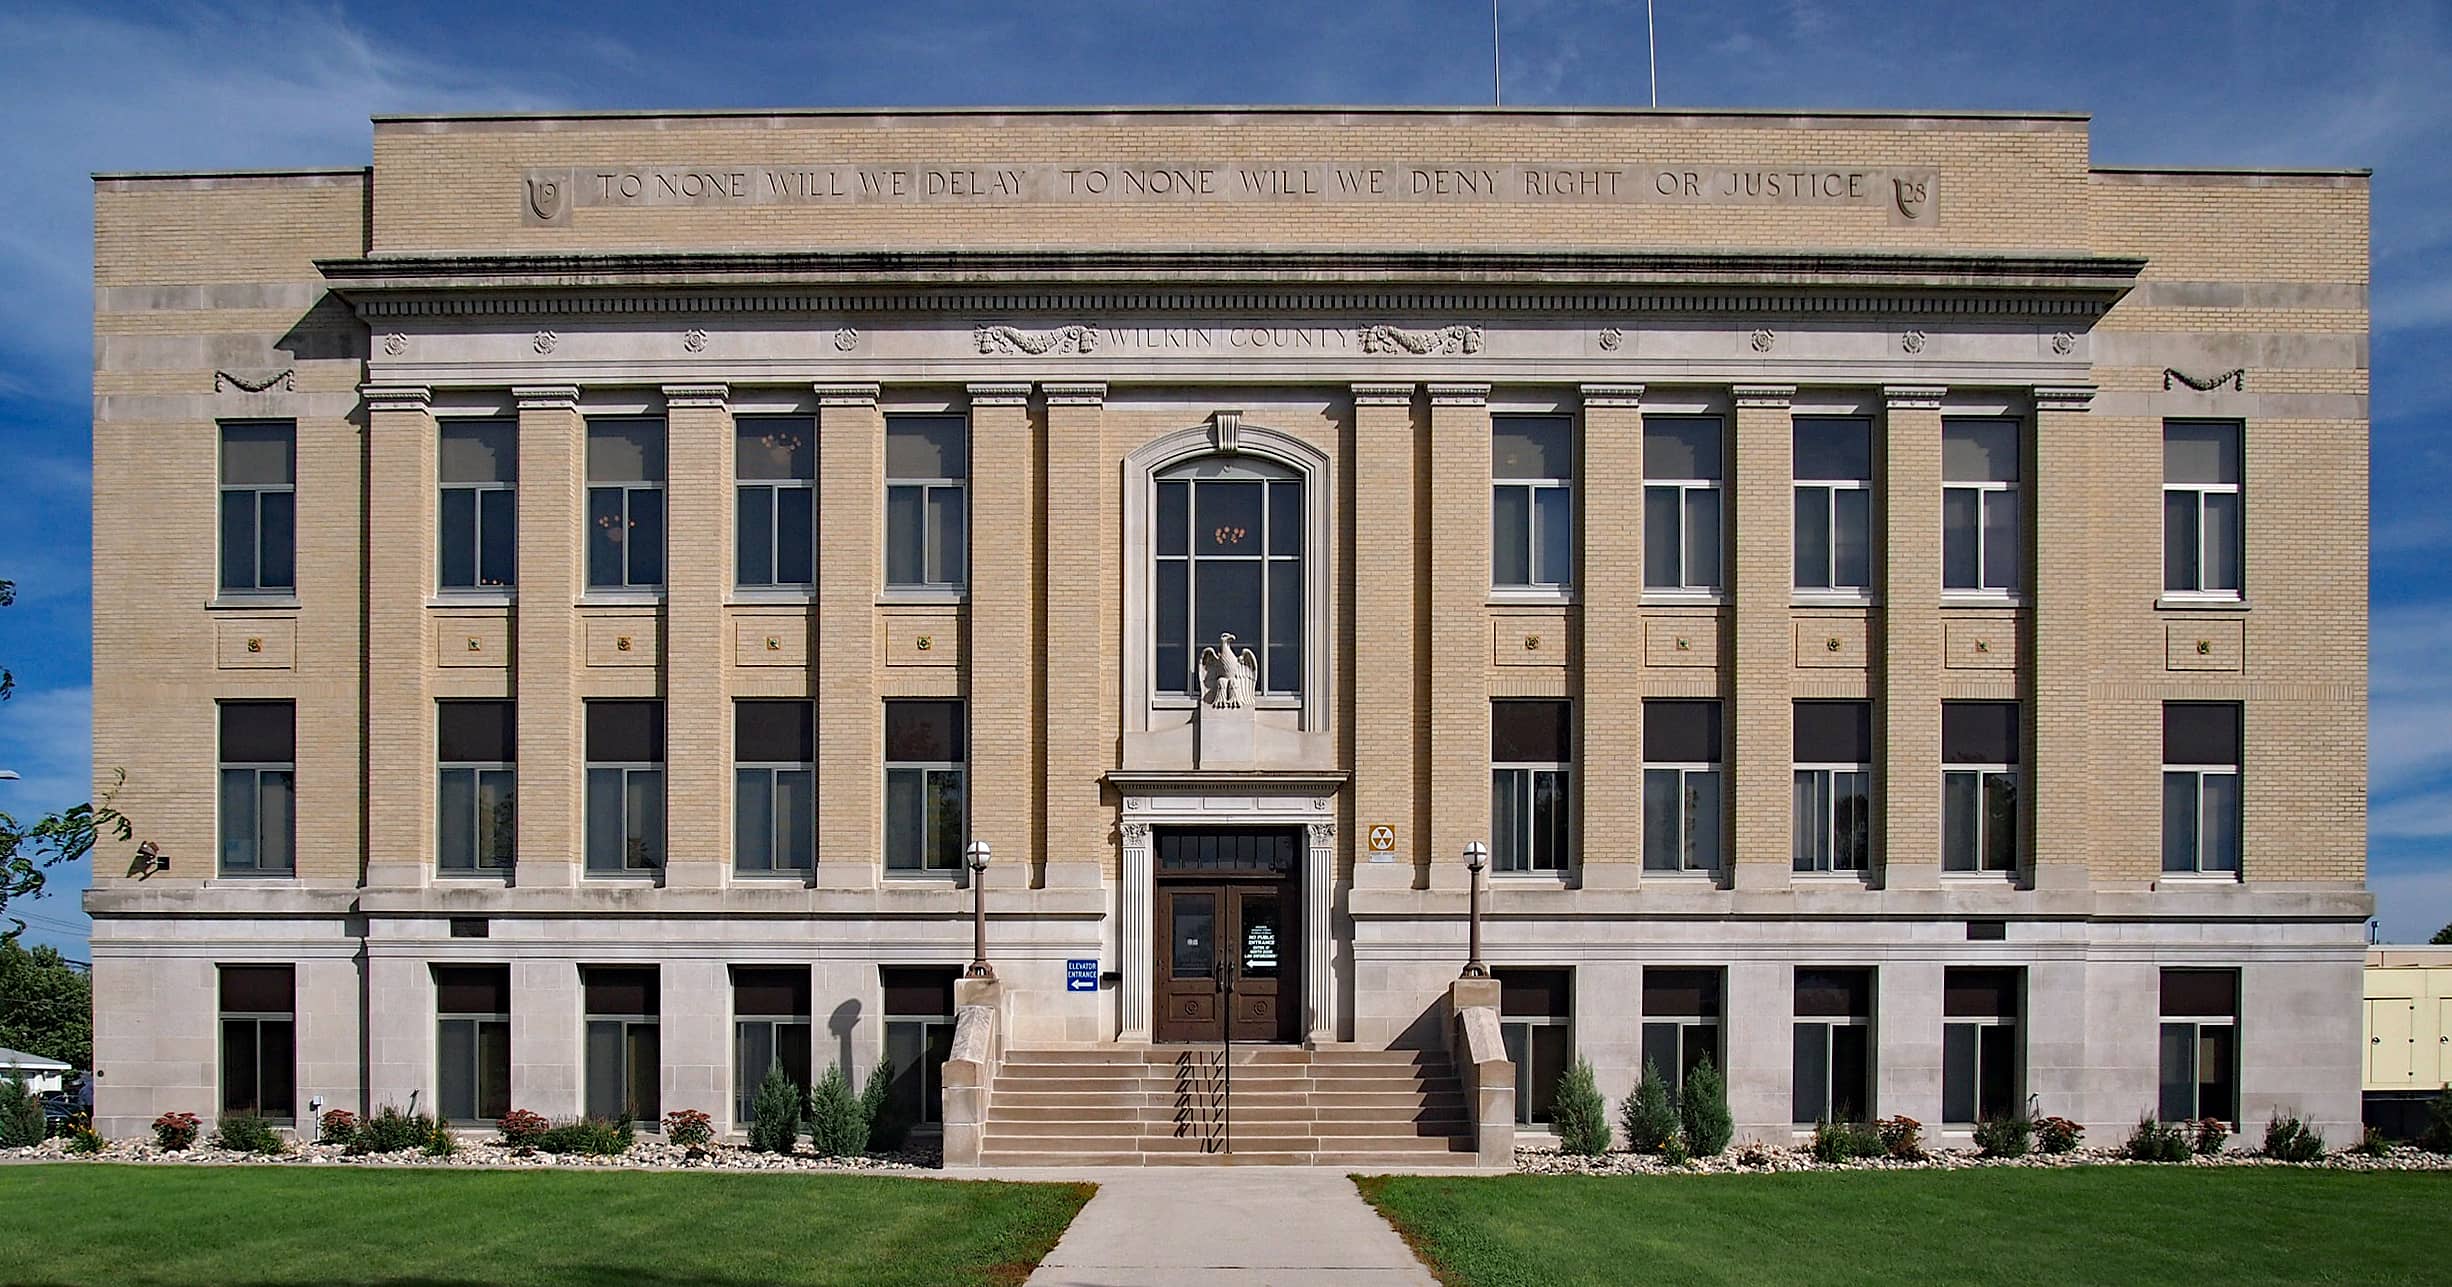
(694, 339)
(1610, 338)
(847, 338)
(1912, 342)
(1388, 340)
(2063, 343)
(1013, 339)
(544, 341)
(1762, 341)
(395, 344)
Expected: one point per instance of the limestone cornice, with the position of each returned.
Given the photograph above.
(1079, 393)
(1913, 397)
(397, 397)
(1000, 394)
(1613, 395)
(1383, 395)
(1763, 395)
(1459, 395)
(697, 395)
(2064, 397)
(845, 395)
(546, 397)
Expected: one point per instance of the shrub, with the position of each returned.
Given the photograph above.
(2287, 1139)
(2437, 1137)
(2058, 1134)
(688, 1127)
(174, 1132)
(339, 1126)
(2009, 1136)
(2206, 1135)
(2154, 1141)
(837, 1127)
(1650, 1115)
(1702, 1112)
(1578, 1113)
(521, 1128)
(1753, 1153)
(440, 1143)
(392, 1131)
(247, 1133)
(21, 1114)
(775, 1125)
(1902, 1137)
(2371, 1143)
(1845, 1141)
(1675, 1152)
(587, 1137)
(888, 1126)
(84, 1140)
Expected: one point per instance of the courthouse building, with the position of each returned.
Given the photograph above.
(1889, 595)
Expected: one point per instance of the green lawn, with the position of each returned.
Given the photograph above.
(245, 1226)
(2120, 1225)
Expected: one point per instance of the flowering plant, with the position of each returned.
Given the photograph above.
(688, 1127)
(521, 1128)
(2057, 1134)
(2209, 1134)
(1902, 1137)
(175, 1131)
(339, 1126)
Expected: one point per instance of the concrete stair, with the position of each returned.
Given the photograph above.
(1171, 1106)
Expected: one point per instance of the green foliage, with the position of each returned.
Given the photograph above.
(2009, 1136)
(1675, 1152)
(837, 1127)
(2437, 1137)
(774, 1126)
(391, 1131)
(1649, 1117)
(28, 848)
(21, 1114)
(1902, 1137)
(2443, 937)
(46, 1005)
(887, 1126)
(1845, 1141)
(174, 1132)
(84, 1141)
(689, 1128)
(1703, 1120)
(588, 1137)
(440, 1144)
(248, 1133)
(2154, 1141)
(2371, 1143)
(2207, 1134)
(1578, 1113)
(339, 1127)
(2287, 1139)
(2058, 1134)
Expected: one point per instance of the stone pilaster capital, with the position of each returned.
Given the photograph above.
(2064, 397)
(396, 397)
(1000, 394)
(1763, 395)
(1076, 393)
(697, 395)
(845, 395)
(1460, 395)
(1912, 397)
(1613, 395)
(1383, 395)
(546, 397)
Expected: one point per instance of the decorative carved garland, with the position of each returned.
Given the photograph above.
(288, 380)
(1013, 339)
(2237, 378)
(1385, 339)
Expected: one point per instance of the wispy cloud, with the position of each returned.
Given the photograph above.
(2409, 696)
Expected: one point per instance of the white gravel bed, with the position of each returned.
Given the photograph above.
(648, 1154)
(1747, 1158)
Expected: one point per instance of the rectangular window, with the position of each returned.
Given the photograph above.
(919, 1035)
(1682, 773)
(1834, 1046)
(927, 469)
(2202, 530)
(775, 460)
(259, 788)
(927, 818)
(624, 1047)
(472, 1043)
(1834, 786)
(2200, 1045)
(1682, 470)
(774, 786)
(1532, 765)
(1532, 502)
(1979, 786)
(1981, 537)
(1982, 1056)
(1536, 1017)
(1833, 463)
(770, 1026)
(625, 504)
(2201, 822)
(259, 1040)
(625, 786)
(479, 472)
(1681, 1021)
(259, 507)
(476, 751)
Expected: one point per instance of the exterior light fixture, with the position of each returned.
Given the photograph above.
(976, 855)
(1476, 861)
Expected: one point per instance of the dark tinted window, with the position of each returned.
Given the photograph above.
(256, 989)
(923, 732)
(1536, 993)
(620, 989)
(1980, 994)
(1979, 732)
(776, 991)
(625, 732)
(1534, 732)
(1253, 849)
(1834, 992)
(1834, 733)
(2200, 733)
(1673, 990)
(472, 989)
(1678, 731)
(259, 732)
(774, 732)
(476, 732)
(917, 990)
(1833, 449)
(2194, 993)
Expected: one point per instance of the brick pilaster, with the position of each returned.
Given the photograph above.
(697, 665)
(1762, 656)
(1907, 715)
(1003, 653)
(1079, 659)
(551, 649)
(1391, 722)
(1609, 588)
(850, 718)
(2056, 798)
(1457, 696)
(400, 572)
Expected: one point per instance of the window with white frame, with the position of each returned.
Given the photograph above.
(1536, 1024)
(1532, 764)
(472, 1043)
(919, 1035)
(1833, 749)
(1682, 536)
(1228, 545)
(259, 1040)
(1681, 1021)
(259, 788)
(927, 475)
(1532, 502)
(259, 507)
(927, 817)
(1982, 1055)
(774, 463)
(1833, 463)
(1682, 774)
(1981, 541)
(1833, 1046)
(2200, 1045)
(476, 749)
(774, 786)
(770, 1027)
(1979, 786)
(625, 1048)
(2201, 799)
(625, 787)
(478, 470)
(625, 504)
(2202, 530)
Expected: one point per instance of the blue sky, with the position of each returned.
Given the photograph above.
(89, 87)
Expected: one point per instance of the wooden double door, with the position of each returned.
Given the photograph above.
(1229, 951)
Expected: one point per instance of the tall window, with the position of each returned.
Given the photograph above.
(1532, 765)
(1833, 462)
(927, 468)
(259, 788)
(775, 459)
(919, 1035)
(2201, 821)
(774, 786)
(770, 1027)
(1681, 1021)
(1681, 784)
(259, 507)
(1229, 560)
(625, 786)
(479, 472)
(624, 1046)
(476, 747)
(259, 1041)
(1682, 469)
(1536, 1019)
(1981, 1054)
(2200, 1045)
(1979, 507)
(1532, 501)
(2202, 535)
(1833, 1046)
(1834, 786)
(1979, 786)
(625, 504)
(472, 1042)
(926, 815)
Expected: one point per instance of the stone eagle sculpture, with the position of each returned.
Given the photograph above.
(1228, 674)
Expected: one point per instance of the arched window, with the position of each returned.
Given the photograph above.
(1227, 539)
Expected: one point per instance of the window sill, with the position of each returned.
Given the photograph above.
(1531, 596)
(757, 596)
(1683, 876)
(228, 602)
(789, 877)
(254, 877)
(946, 879)
(922, 596)
(502, 877)
(1982, 599)
(1553, 879)
(621, 599)
(2202, 603)
(1980, 877)
(2198, 878)
(1683, 599)
(473, 599)
(1833, 599)
(641, 878)
(1831, 877)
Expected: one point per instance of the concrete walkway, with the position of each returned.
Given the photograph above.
(1278, 1226)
